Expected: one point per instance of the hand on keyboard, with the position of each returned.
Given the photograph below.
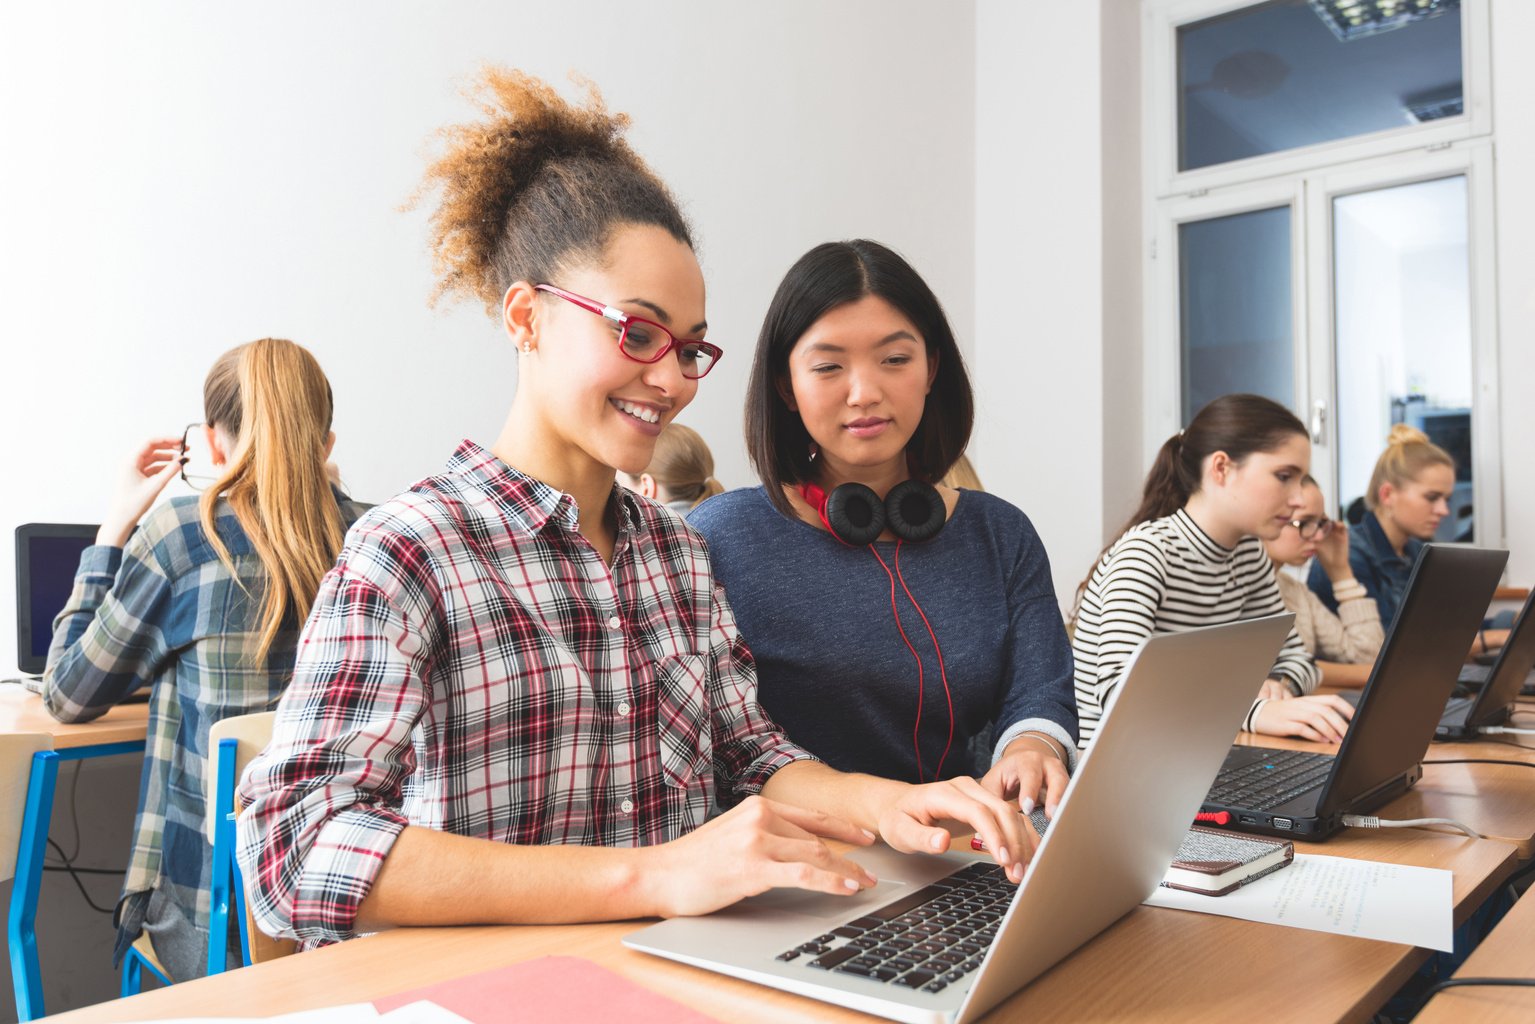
(1320, 717)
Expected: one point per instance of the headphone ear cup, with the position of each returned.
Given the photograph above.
(855, 514)
(915, 510)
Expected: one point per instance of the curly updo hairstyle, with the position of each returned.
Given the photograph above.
(536, 185)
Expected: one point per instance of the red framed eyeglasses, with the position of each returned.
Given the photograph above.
(646, 341)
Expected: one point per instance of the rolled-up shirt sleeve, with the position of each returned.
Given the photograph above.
(323, 801)
(748, 746)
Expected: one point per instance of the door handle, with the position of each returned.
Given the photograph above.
(1319, 422)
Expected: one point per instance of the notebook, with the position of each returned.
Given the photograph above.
(945, 938)
(1464, 717)
(1215, 863)
(1279, 792)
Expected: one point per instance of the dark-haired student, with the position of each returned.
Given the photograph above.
(520, 690)
(908, 660)
(1192, 555)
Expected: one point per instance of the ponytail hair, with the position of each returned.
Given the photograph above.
(1408, 453)
(1238, 425)
(683, 464)
(272, 400)
(535, 186)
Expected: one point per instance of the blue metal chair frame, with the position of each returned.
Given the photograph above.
(134, 966)
(26, 976)
(228, 887)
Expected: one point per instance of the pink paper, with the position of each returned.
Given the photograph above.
(566, 989)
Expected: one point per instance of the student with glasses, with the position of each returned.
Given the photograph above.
(202, 603)
(521, 691)
(1346, 642)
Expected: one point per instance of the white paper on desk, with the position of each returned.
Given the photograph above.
(422, 1011)
(349, 1014)
(1367, 898)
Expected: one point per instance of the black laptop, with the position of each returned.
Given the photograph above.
(1464, 717)
(1294, 792)
(47, 555)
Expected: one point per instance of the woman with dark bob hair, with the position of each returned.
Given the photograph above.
(900, 628)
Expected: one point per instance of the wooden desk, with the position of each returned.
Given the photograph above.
(120, 731)
(21, 711)
(1503, 954)
(1153, 965)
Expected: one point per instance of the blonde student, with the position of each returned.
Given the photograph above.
(680, 474)
(520, 690)
(203, 604)
(1344, 643)
(1192, 555)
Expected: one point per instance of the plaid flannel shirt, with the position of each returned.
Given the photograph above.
(472, 665)
(165, 611)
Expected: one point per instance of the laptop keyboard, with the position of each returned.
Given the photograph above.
(926, 940)
(1270, 781)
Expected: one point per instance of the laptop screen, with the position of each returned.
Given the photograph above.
(1447, 595)
(47, 555)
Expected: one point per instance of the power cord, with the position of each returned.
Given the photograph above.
(1483, 760)
(75, 874)
(1434, 990)
(1370, 821)
(1498, 730)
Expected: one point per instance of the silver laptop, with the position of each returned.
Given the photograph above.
(946, 938)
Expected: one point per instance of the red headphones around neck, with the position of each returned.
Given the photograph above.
(913, 511)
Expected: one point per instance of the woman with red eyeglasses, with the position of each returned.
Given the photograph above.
(521, 692)
(1344, 643)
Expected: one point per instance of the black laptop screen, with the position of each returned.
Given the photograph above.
(47, 556)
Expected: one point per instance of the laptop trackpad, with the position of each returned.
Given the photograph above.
(899, 875)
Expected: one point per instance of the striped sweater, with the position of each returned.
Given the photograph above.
(1167, 576)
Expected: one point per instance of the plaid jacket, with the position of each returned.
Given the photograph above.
(472, 665)
(165, 611)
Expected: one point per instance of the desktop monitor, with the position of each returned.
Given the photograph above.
(47, 556)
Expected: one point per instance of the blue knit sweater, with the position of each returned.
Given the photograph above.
(832, 668)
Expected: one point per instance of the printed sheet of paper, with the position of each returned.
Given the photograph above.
(1370, 899)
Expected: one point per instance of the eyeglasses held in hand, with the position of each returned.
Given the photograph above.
(1313, 528)
(197, 470)
(646, 341)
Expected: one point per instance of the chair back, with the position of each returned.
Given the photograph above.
(16, 750)
(234, 742)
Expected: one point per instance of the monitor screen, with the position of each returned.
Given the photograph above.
(47, 556)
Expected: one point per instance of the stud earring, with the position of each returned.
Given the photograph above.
(527, 348)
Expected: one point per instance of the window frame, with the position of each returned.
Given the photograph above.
(1165, 17)
(1307, 179)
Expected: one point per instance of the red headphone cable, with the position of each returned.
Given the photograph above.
(943, 673)
(896, 614)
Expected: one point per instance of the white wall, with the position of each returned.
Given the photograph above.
(1513, 91)
(1057, 268)
(181, 177)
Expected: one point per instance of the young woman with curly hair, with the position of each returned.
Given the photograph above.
(520, 691)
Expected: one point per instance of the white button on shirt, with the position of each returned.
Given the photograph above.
(628, 806)
(614, 622)
(623, 709)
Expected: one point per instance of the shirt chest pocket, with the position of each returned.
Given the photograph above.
(682, 720)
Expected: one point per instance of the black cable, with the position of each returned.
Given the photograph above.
(79, 884)
(1484, 760)
(1435, 989)
(74, 817)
